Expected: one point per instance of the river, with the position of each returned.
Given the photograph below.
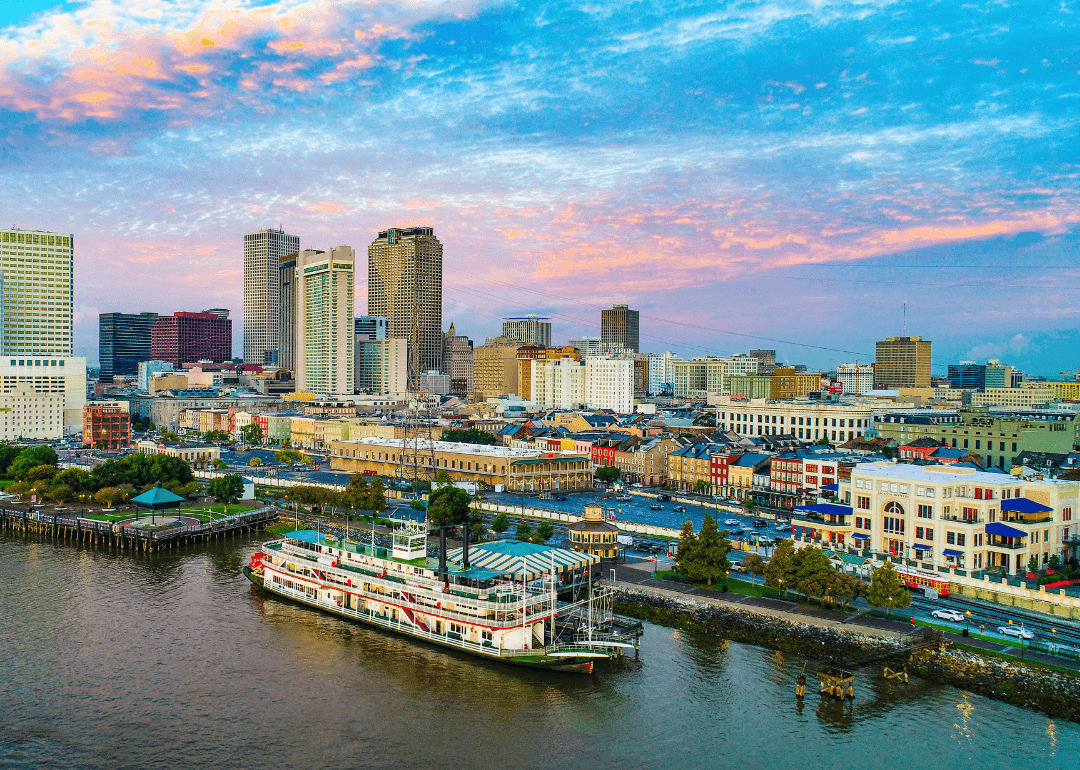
(117, 661)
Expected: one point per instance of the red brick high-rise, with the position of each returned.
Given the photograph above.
(184, 338)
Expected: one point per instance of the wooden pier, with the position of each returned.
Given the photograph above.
(75, 529)
(839, 682)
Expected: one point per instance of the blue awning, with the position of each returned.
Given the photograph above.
(830, 488)
(825, 509)
(1004, 530)
(1023, 505)
(953, 552)
(859, 536)
(920, 547)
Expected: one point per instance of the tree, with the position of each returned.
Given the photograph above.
(32, 457)
(417, 505)
(843, 588)
(813, 570)
(76, 478)
(38, 474)
(524, 532)
(748, 504)
(1033, 564)
(500, 524)
(8, 453)
(780, 571)
(251, 433)
(886, 589)
(221, 436)
(700, 486)
(442, 476)
(1055, 563)
(169, 437)
(255, 462)
(61, 493)
(227, 489)
(289, 456)
(376, 500)
(710, 553)
(448, 507)
(754, 565)
(687, 551)
(545, 531)
(608, 474)
(219, 464)
(470, 436)
(107, 496)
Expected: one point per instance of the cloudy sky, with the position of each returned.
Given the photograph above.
(779, 174)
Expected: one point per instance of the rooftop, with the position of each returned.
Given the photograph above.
(480, 450)
(933, 473)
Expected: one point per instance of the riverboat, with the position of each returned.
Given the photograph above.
(508, 611)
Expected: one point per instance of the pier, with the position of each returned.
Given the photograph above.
(839, 682)
(125, 535)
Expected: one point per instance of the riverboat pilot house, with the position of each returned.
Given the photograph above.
(593, 535)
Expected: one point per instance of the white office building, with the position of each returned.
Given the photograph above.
(855, 378)
(325, 321)
(262, 294)
(382, 365)
(41, 397)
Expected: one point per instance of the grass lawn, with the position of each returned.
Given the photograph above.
(5, 483)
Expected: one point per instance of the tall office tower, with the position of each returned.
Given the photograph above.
(382, 365)
(184, 338)
(286, 321)
(619, 328)
(405, 285)
(36, 282)
(372, 327)
(530, 330)
(458, 361)
(123, 343)
(967, 374)
(902, 362)
(262, 292)
(325, 321)
(589, 346)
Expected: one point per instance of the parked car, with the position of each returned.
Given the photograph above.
(561, 498)
(760, 523)
(736, 533)
(1019, 632)
(732, 522)
(663, 498)
(679, 509)
(953, 615)
(738, 567)
(656, 507)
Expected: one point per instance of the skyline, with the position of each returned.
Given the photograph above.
(707, 165)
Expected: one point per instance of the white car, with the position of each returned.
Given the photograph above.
(1018, 631)
(953, 615)
(731, 522)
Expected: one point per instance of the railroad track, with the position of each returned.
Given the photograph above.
(1065, 632)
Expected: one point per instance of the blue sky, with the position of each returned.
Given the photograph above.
(741, 172)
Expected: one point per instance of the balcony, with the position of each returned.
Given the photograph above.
(961, 519)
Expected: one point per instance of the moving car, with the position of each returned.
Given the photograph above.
(1018, 632)
(663, 498)
(679, 509)
(731, 522)
(656, 507)
(760, 523)
(953, 615)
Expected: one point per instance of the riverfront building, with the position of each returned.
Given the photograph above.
(41, 397)
(806, 420)
(36, 292)
(123, 343)
(593, 535)
(405, 269)
(519, 470)
(936, 517)
(263, 253)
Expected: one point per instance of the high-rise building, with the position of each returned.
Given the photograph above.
(286, 320)
(967, 374)
(609, 384)
(325, 321)
(262, 294)
(458, 361)
(855, 378)
(766, 360)
(528, 330)
(36, 292)
(661, 371)
(382, 365)
(902, 362)
(619, 328)
(589, 346)
(123, 343)
(372, 327)
(527, 355)
(405, 285)
(184, 338)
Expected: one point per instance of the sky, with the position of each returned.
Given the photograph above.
(805, 175)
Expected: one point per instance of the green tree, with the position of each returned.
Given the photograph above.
(38, 473)
(524, 532)
(227, 489)
(76, 478)
(500, 524)
(886, 589)
(700, 486)
(812, 572)
(107, 496)
(780, 571)
(844, 588)
(255, 462)
(442, 476)
(169, 436)
(748, 504)
(470, 436)
(251, 433)
(608, 474)
(754, 565)
(449, 507)
(61, 494)
(221, 436)
(289, 456)
(376, 499)
(1033, 564)
(545, 531)
(32, 457)
(710, 559)
(686, 555)
(417, 505)
(8, 453)
(1055, 563)
(219, 464)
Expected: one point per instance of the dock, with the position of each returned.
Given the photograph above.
(73, 528)
(838, 682)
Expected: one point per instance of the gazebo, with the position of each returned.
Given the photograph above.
(157, 498)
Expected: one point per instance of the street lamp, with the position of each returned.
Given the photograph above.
(967, 622)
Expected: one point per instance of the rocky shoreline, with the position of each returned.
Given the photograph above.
(1053, 693)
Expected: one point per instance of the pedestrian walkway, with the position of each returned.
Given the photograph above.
(631, 576)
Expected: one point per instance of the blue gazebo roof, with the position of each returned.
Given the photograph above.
(157, 497)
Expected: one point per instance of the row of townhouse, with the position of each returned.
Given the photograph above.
(937, 517)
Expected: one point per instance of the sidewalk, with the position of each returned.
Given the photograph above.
(631, 576)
